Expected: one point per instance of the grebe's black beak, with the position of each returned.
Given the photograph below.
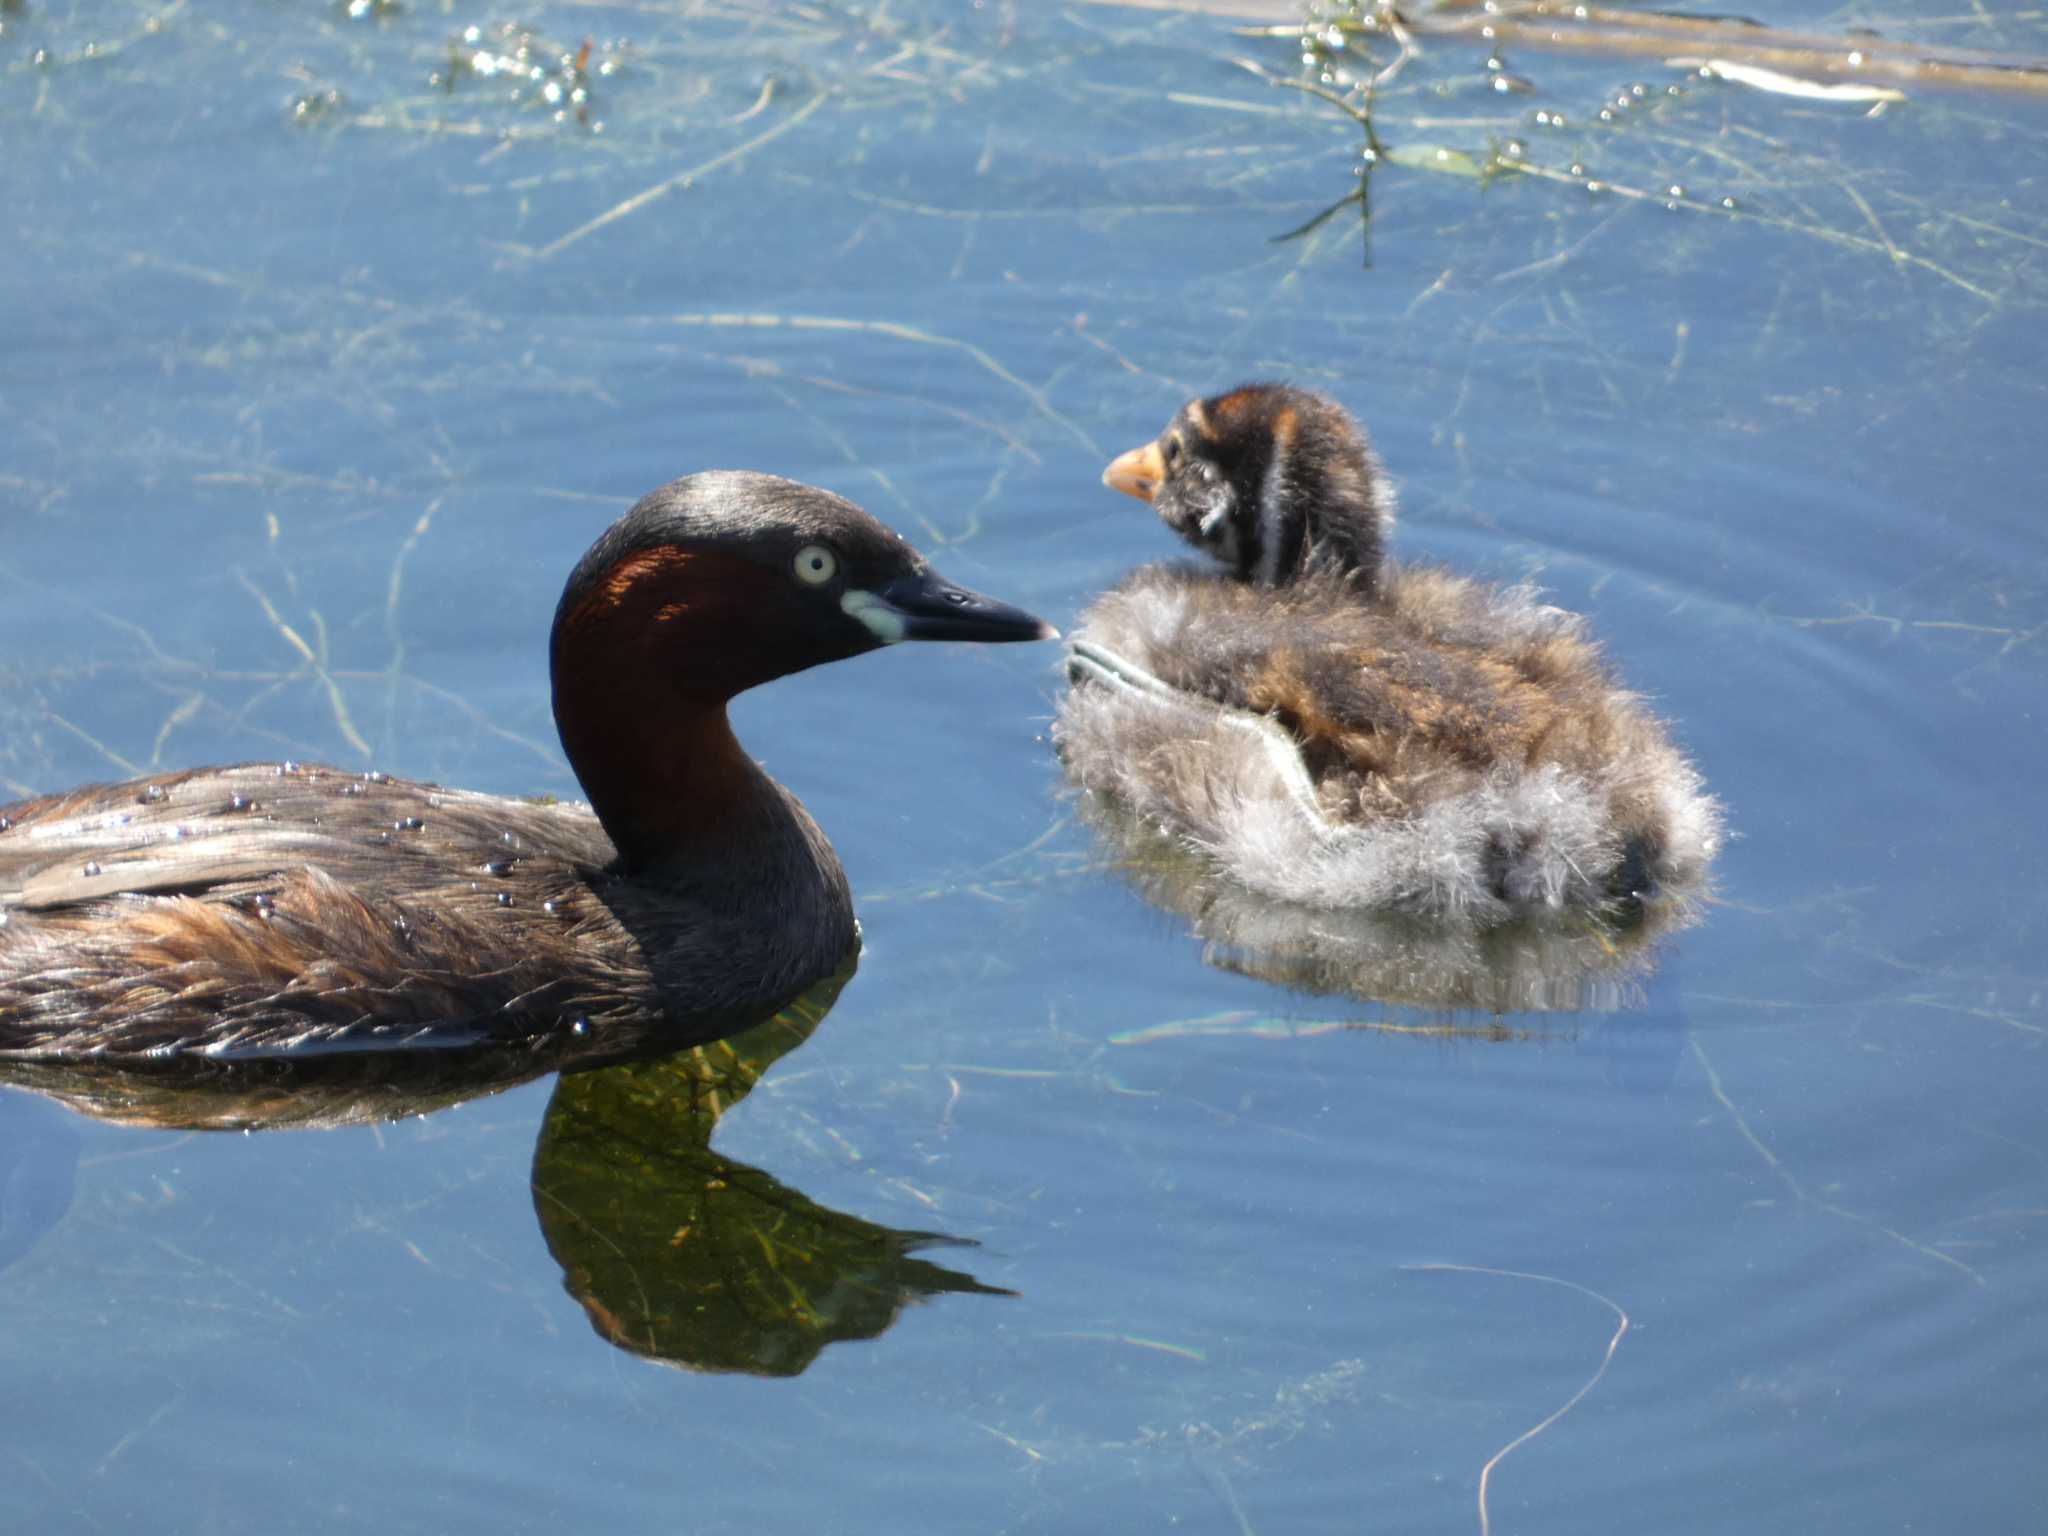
(926, 606)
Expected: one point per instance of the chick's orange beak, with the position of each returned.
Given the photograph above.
(1137, 473)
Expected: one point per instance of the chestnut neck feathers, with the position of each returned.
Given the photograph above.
(644, 658)
(1271, 480)
(709, 586)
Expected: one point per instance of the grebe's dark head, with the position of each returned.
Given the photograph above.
(711, 585)
(727, 579)
(1269, 479)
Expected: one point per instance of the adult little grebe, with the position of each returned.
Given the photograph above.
(278, 909)
(1341, 731)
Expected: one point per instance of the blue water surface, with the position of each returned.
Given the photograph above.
(332, 340)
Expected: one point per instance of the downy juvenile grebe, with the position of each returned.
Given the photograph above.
(1338, 730)
(268, 910)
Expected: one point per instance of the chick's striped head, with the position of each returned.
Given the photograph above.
(1270, 480)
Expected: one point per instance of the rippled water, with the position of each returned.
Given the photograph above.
(322, 372)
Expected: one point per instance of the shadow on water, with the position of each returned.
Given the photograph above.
(674, 1252)
(682, 1256)
(1566, 962)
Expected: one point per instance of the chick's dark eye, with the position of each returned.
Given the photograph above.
(1171, 454)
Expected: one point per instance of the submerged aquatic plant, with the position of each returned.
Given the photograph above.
(1648, 140)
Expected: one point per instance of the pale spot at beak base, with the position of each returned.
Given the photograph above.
(881, 621)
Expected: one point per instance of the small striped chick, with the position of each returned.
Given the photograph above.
(1341, 731)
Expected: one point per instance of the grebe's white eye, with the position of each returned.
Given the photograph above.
(815, 565)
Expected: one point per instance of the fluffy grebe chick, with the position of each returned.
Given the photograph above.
(1339, 730)
(263, 910)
